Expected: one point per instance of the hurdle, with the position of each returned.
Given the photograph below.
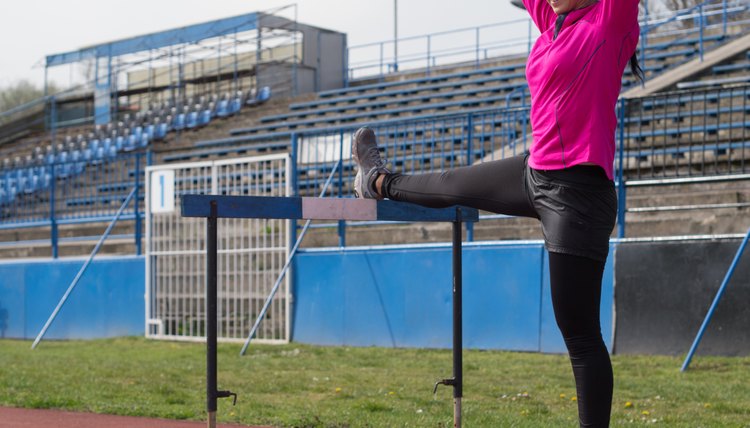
(213, 207)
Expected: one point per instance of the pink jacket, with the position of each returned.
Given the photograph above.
(575, 80)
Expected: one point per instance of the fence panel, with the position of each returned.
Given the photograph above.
(251, 252)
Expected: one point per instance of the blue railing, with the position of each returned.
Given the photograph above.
(71, 192)
(696, 135)
(475, 44)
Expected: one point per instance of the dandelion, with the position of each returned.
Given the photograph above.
(338, 390)
(628, 404)
(707, 405)
(573, 398)
(645, 413)
(562, 395)
(391, 393)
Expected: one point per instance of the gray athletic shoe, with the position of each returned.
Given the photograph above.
(365, 153)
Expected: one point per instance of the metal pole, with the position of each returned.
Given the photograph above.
(52, 219)
(395, 35)
(81, 271)
(700, 35)
(457, 322)
(621, 194)
(342, 223)
(211, 273)
(715, 303)
(138, 222)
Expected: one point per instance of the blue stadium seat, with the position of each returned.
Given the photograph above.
(78, 163)
(98, 156)
(222, 107)
(205, 116)
(192, 119)
(119, 143)
(143, 141)
(236, 103)
(137, 131)
(131, 143)
(110, 153)
(179, 121)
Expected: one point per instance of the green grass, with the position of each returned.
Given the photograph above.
(310, 386)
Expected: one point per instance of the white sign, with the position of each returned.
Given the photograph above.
(162, 191)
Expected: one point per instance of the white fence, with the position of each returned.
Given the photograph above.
(250, 257)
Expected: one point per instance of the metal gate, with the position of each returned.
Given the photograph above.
(251, 252)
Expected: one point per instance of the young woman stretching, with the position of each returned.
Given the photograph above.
(574, 74)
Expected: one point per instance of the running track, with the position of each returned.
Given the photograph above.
(29, 418)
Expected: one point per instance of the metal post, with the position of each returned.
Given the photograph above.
(395, 35)
(621, 190)
(469, 161)
(700, 28)
(52, 219)
(457, 322)
(211, 273)
(715, 303)
(477, 48)
(457, 380)
(724, 17)
(342, 223)
(138, 222)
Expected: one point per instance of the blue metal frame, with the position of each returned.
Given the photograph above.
(715, 303)
(161, 39)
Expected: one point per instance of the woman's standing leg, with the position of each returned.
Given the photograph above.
(576, 284)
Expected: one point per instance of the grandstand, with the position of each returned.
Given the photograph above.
(261, 85)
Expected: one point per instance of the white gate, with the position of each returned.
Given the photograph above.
(251, 252)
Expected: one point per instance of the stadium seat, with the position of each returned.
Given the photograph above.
(222, 107)
(236, 103)
(179, 121)
(191, 121)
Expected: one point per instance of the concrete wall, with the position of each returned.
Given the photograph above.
(107, 302)
(664, 289)
(401, 297)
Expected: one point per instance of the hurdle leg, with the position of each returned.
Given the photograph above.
(457, 323)
(211, 255)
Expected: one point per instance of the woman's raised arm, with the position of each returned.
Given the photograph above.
(621, 14)
(541, 13)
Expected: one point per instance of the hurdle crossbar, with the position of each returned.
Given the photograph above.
(213, 207)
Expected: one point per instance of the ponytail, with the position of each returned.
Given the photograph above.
(635, 68)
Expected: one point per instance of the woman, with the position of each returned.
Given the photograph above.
(574, 73)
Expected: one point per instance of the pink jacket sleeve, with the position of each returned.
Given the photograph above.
(621, 15)
(541, 13)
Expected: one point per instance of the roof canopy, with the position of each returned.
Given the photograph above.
(189, 34)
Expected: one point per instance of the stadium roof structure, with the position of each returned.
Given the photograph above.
(189, 34)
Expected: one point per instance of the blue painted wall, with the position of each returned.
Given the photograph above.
(401, 297)
(107, 302)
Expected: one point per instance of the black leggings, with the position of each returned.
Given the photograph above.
(564, 201)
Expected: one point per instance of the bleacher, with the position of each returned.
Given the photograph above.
(426, 120)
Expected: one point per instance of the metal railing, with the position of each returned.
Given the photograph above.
(476, 44)
(72, 192)
(685, 136)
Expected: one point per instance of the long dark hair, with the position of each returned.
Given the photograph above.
(635, 68)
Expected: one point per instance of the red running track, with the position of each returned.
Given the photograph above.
(31, 418)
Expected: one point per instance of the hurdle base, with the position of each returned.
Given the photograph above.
(211, 420)
(457, 412)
